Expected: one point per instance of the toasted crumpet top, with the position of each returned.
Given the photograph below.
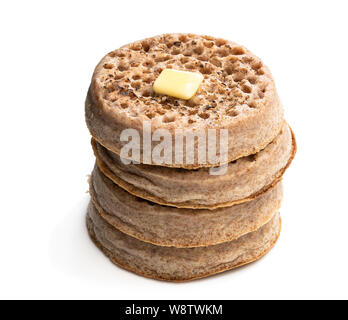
(235, 81)
(237, 92)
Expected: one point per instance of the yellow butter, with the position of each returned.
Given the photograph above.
(178, 84)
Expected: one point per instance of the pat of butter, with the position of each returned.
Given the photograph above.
(178, 84)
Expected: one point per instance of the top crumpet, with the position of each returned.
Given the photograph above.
(237, 93)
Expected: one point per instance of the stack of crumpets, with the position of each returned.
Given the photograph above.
(191, 146)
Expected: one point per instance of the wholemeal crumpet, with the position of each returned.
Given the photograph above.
(179, 264)
(245, 179)
(237, 94)
(191, 146)
(168, 226)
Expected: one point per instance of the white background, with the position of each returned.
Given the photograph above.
(48, 53)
